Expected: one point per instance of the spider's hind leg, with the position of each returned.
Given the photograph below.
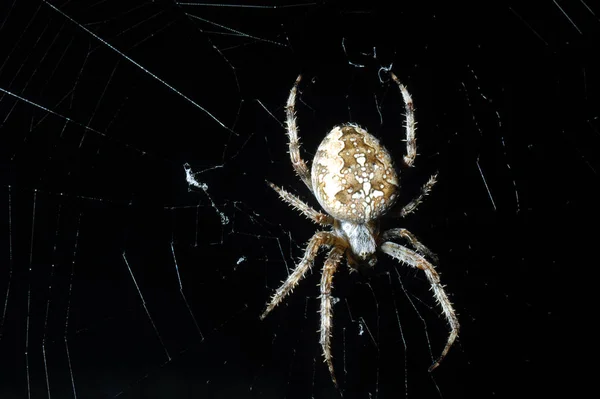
(294, 142)
(410, 124)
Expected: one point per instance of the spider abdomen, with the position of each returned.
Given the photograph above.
(353, 175)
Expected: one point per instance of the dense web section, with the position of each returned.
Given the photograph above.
(139, 242)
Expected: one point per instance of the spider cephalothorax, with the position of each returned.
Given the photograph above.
(354, 180)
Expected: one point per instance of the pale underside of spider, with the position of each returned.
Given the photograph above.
(354, 180)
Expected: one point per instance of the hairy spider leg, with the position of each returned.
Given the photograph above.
(307, 210)
(294, 142)
(319, 239)
(331, 265)
(412, 239)
(411, 140)
(412, 205)
(413, 259)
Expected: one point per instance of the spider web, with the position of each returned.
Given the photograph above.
(140, 242)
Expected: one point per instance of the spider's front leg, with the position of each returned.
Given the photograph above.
(413, 259)
(292, 131)
(321, 238)
(331, 264)
(412, 239)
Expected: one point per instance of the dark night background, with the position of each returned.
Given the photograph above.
(118, 279)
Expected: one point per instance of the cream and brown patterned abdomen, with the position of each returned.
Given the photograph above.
(353, 175)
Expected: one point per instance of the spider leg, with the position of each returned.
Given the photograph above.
(307, 210)
(413, 259)
(331, 264)
(319, 239)
(412, 239)
(411, 141)
(292, 131)
(412, 205)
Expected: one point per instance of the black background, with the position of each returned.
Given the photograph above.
(94, 133)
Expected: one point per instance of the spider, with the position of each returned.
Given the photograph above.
(353, 178)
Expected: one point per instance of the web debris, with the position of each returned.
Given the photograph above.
(190, 177)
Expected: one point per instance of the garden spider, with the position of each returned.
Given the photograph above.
(354, 180)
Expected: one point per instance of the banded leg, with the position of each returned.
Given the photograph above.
(319, 239)
(294, 142)
(413, 259)
(412, 205)
(307, 210)
(412, 239)
(410, 124)
(331, 264)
